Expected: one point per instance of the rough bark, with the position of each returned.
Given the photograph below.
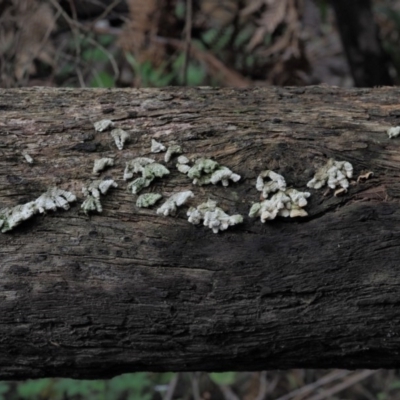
(128, 290)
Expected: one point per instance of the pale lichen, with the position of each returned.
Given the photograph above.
(136, 166)
(120, 137)
(149, 170)
(393, 132)
(138, 184)
(92, 193)
(283, 203)
(173, 149)
(148, 199)
(28, 158)
(206, 171)
(157, 147)
(51, 200)
(213, 217)
(334, 173)
(175, 201)
(102, 163)
(274, 183)
(182, 164)
(103, 125)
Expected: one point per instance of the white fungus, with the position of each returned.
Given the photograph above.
(157, 147)
(120, 137)
(275, 182)
(102, 163)
(51, 200)
(174, 149)
(287, 203)
(213, 217)
(334, 173)
(92, 194)
(136, 166)
(175, 201)
(28, 158)
(148, 199)
(103, 125)
(206, 171)
(393, 132)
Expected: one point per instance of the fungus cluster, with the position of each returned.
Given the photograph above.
(51, 200)
(279, 200)
(206, 171)
(213, 217)
(149, 169)
(334, 173)
(92, 194)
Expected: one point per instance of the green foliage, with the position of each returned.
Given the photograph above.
(223, 378)
(102, 79)
(135, 386)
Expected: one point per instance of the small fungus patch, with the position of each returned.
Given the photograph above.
(175, 201)
(120, 137)
(51, 200)
(102, 163)
(334, 173)
(173, 149)
(393, 132)
(92, 194)
(206, 171)
(148, 199)
(157, 147)
(103, 125)
(213, 217)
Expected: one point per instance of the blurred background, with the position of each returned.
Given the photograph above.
(240, 43)
(237, 43)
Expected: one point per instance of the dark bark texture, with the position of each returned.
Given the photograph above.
(128, 290)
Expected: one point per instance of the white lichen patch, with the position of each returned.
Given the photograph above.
(138, 184)
(173, 149)
(120, 137)
(91, 204)
(98, 186)
(393, 132)
(149, 169)
(274, 183)
(92, 194)
(136, 166)
(213, 217)
(148, 199)
(54, 198)
(206, 171)
(28, 158)
(334, 173)
(175, 201)
(284, 203)
(182, 164)
(103, 125)
(51, 200)
(154, 170)
(157, 147)
(102, 163)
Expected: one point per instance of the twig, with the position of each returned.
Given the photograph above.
(171, 387)
(332, 376)
(195, 385)
(327, 393)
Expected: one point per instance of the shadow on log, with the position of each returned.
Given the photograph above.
(129, 290)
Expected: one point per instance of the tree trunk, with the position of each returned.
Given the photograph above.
(368, 62)
(129, 290)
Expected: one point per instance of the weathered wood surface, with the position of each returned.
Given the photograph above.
(128, 290)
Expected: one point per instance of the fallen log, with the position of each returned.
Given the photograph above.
(94, 294)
